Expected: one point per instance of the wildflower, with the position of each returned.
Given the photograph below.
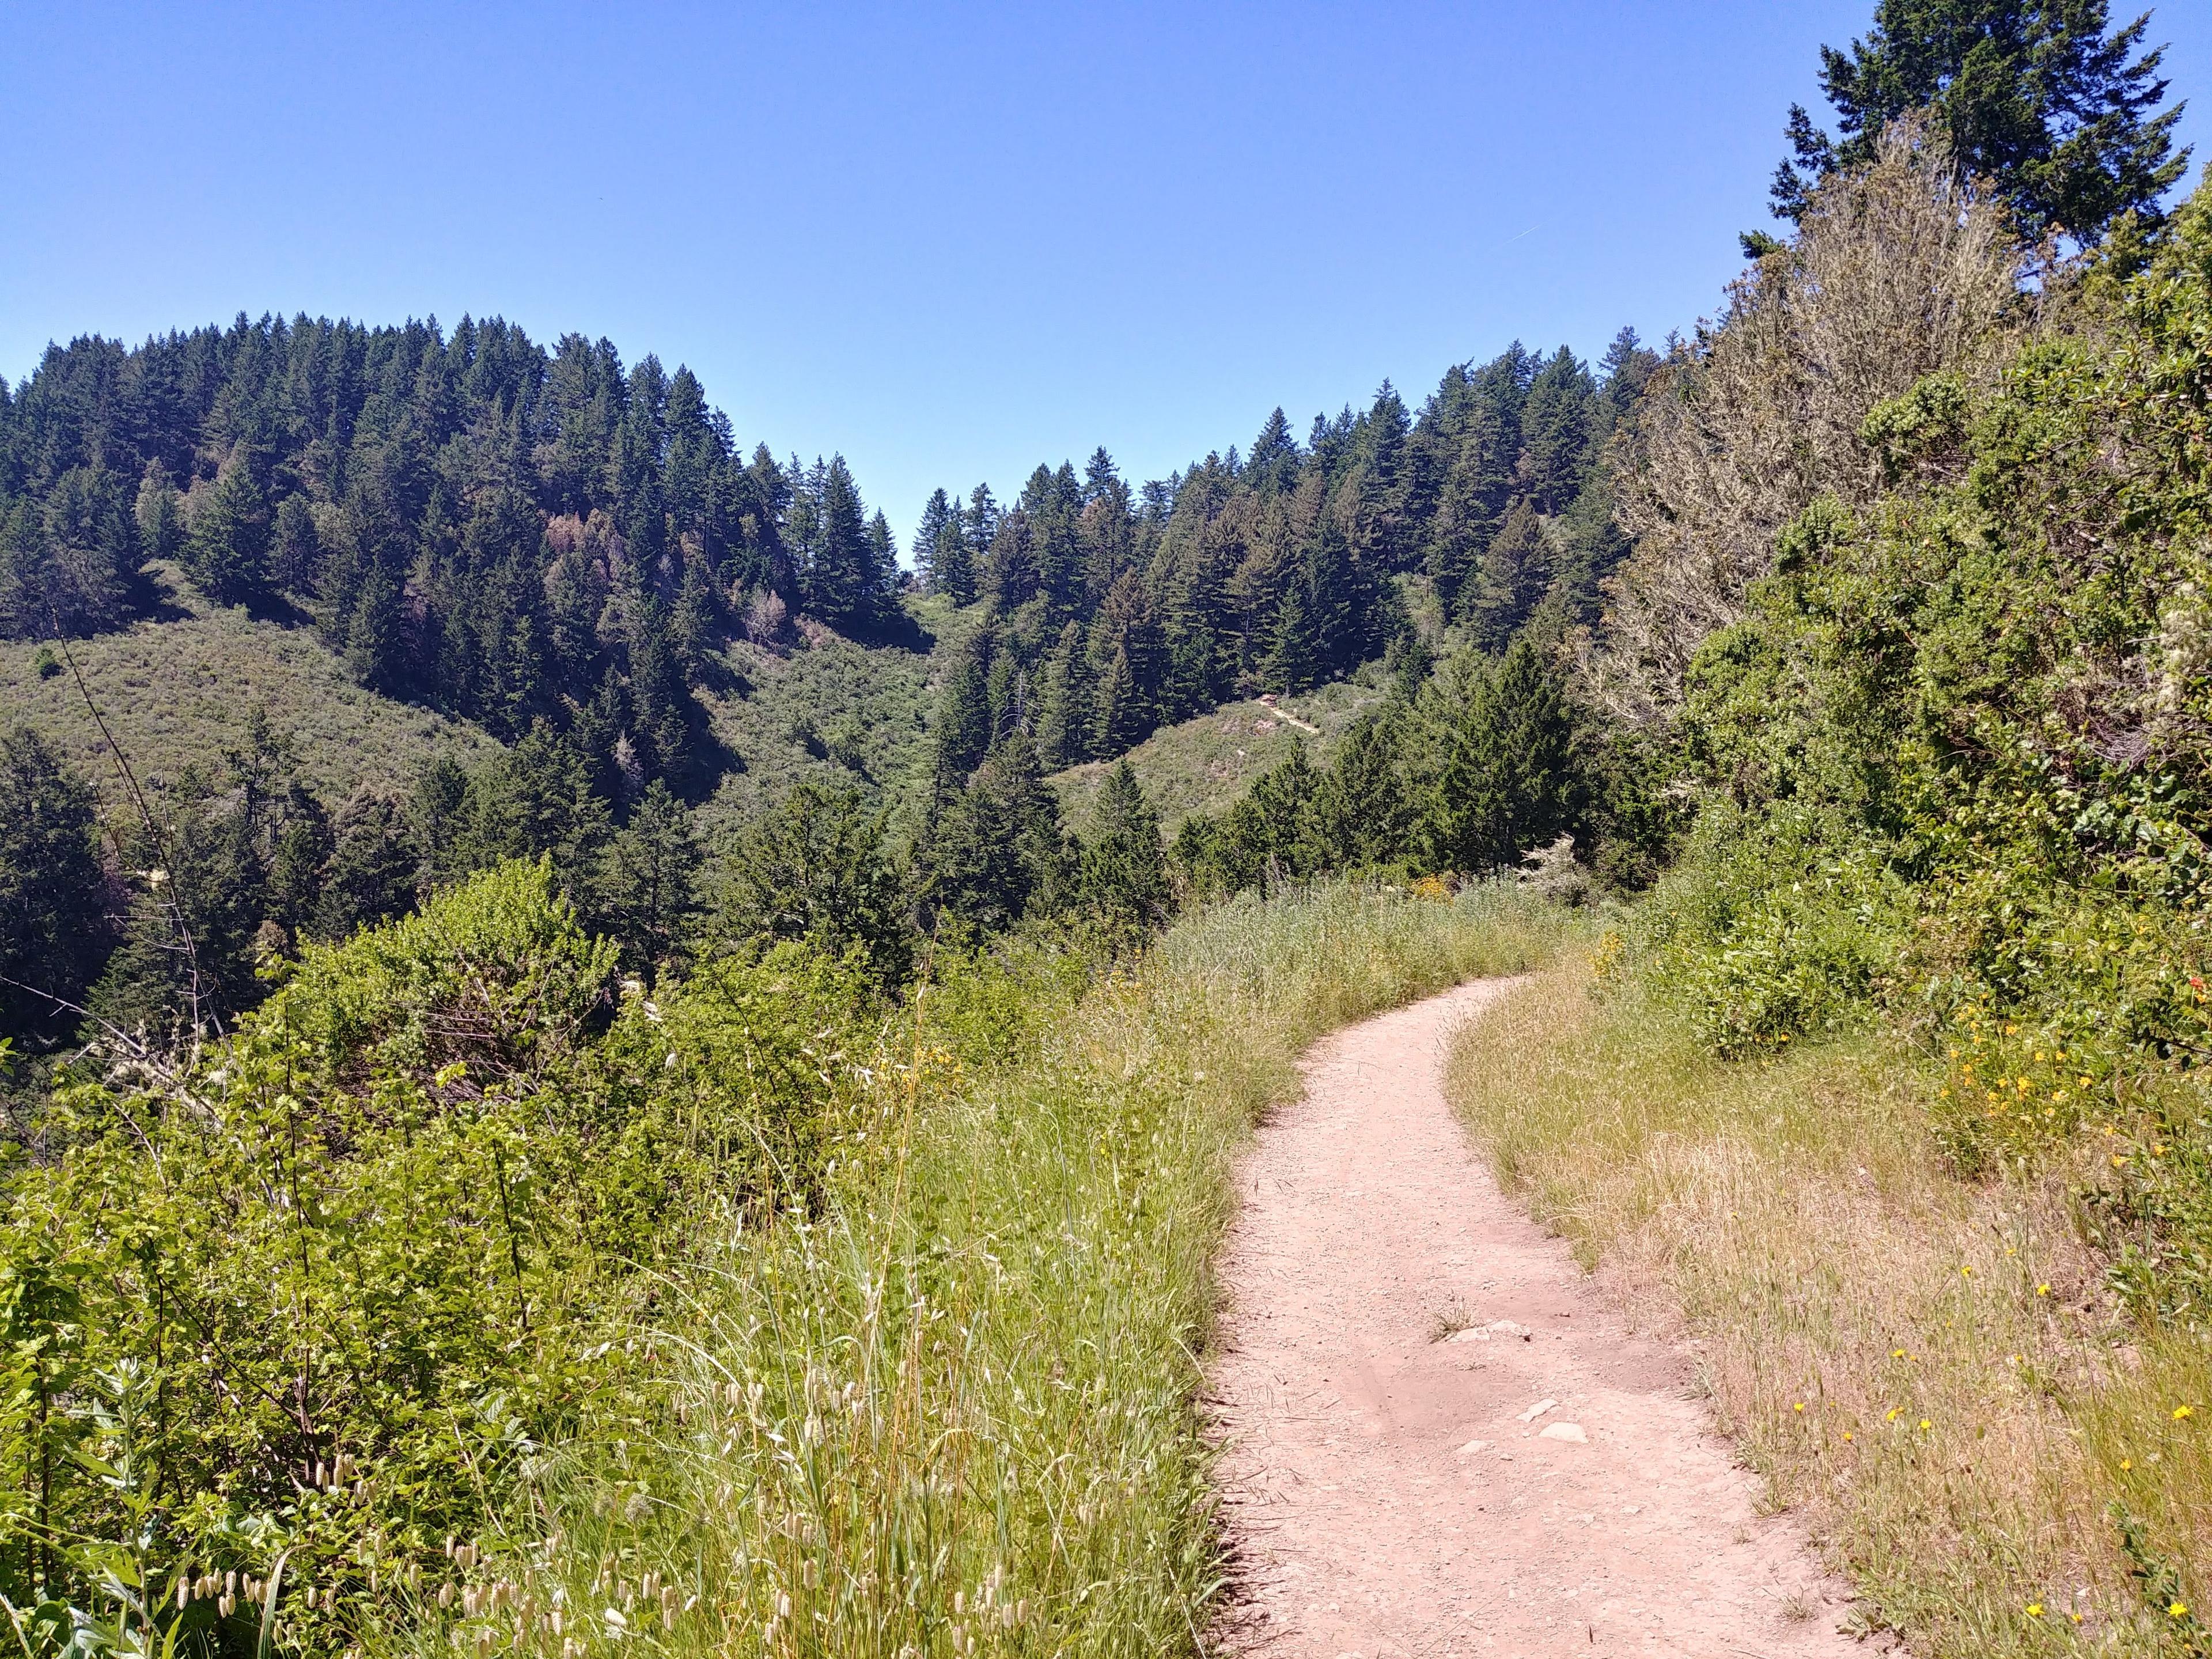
(1847, 1434)
(2042, 1289)
(1925, 1424)
(2179, 1610)
(1800, 1406)
(2182, 1413)
(2127, 1463)
(1893, 1411)
(1966, 1273)
(1896, 1353)
(2035, 1609)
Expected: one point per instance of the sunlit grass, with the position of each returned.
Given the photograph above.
(957, 1410)
(1930, 1368)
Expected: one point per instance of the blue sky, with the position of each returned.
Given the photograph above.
(949, 241)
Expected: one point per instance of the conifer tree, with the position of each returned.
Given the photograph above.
(160, 525)
(227, 552)
(1362, 813)
(647, 894)
(54, 925)
(1512, 578)
(1068, 704)
(964, 712)
(997, 853)
(2047, 100)
(1124, 870)
(1289, 661)
(1507, 782)
(295, 551)
(814, 866)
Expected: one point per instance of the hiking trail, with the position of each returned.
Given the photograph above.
(1439, 1439)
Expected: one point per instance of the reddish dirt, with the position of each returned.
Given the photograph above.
(1387, 1493)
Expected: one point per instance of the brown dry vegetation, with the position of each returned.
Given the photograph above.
(1900, 272)
(1930, 1368)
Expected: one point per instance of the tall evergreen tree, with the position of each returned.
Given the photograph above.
(1511, 580)
(227, 551)
(997, 853)
(1124, 869)
(2048, 101)
(53, 923)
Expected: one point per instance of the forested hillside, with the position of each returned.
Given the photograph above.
(591, 1064)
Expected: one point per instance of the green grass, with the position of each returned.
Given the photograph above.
(956, 1412)
(179, 690)
(828, 709)
(1931, 1370)
(1206, 764)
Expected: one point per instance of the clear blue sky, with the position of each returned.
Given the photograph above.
(949, 241)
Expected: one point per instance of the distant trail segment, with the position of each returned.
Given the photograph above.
(1535, 1482)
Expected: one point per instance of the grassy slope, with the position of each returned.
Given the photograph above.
(180, 690)
(1207, 763)
(1972, 1401)
(959, 1408)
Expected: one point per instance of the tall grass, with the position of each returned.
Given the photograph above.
(955, 1412)
(1931, 1367)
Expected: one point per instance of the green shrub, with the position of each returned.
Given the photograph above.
(326, 1292)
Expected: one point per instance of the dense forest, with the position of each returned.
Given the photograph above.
(493, 1212)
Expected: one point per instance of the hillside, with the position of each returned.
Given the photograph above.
(180, 688)
(1207, 763)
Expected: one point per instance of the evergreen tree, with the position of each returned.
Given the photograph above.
(1512, 578)
(1068, 703)
(53, 923)
(1507, 783)
(814, 866)
(646, 885)
(964, 712)
(160, 525)
(1291, 656)
(535, 798)
(843, 582)
(371, 874)
(1271, 467)
(998, 853)
(227, 554)
(1124, 870)
(2046, 100)
(295, 551)
(1362, 813)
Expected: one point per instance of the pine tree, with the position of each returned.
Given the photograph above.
(227, 554)
(1508, 782)
(296, 550)
(1124, 870)
(814, 866)
(963, 726)
(53, 923)
(160, 525)
(1514, 574)
(1289, 661)
(2039, 98)
(997, 852)
(1068, 703)
(646, 885)
(1362, 814)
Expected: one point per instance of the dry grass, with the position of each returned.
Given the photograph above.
(1929, 1368)
(1206, 763)
(180, 690)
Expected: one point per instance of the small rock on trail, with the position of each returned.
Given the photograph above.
(1548, 1487)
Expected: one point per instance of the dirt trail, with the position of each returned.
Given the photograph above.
(1388, 1493)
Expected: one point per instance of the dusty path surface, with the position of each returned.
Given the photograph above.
(1540, 1483)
